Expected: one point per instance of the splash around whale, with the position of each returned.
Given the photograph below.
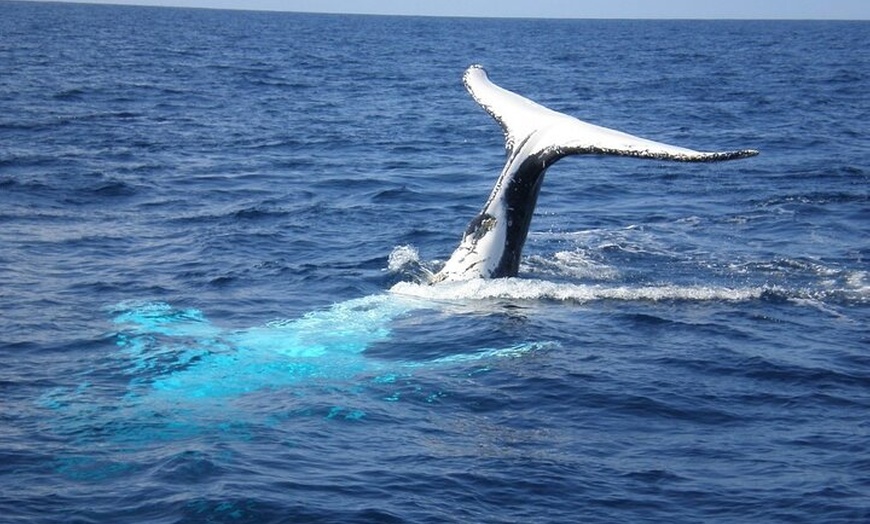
(535, 138)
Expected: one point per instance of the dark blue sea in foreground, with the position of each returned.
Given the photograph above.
(208, 313)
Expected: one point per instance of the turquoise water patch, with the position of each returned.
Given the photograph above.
(189, 359)
(177, 376)
(178, 356)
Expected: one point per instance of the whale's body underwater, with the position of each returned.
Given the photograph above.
(535, 138)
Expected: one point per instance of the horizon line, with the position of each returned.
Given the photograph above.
(146, 3)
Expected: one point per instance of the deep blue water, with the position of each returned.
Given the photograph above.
(204, 316)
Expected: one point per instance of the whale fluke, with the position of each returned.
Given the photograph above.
(535, 138)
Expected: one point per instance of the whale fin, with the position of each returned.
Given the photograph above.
(546, 133)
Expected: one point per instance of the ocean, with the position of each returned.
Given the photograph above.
(211, 228)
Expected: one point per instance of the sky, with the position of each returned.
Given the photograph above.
(740, 9)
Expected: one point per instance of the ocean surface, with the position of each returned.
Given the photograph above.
(211, 224)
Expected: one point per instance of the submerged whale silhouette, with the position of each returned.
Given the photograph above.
(535, 138)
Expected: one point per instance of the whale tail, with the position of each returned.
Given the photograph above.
(535, 138)
(556, 135)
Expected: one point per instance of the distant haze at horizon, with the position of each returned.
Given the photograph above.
(683, 9)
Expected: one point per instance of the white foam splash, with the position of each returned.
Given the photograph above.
(402, 257)
(527, 289)
(517, 351)
(857, 283)
(574, 264)
(405, 261)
